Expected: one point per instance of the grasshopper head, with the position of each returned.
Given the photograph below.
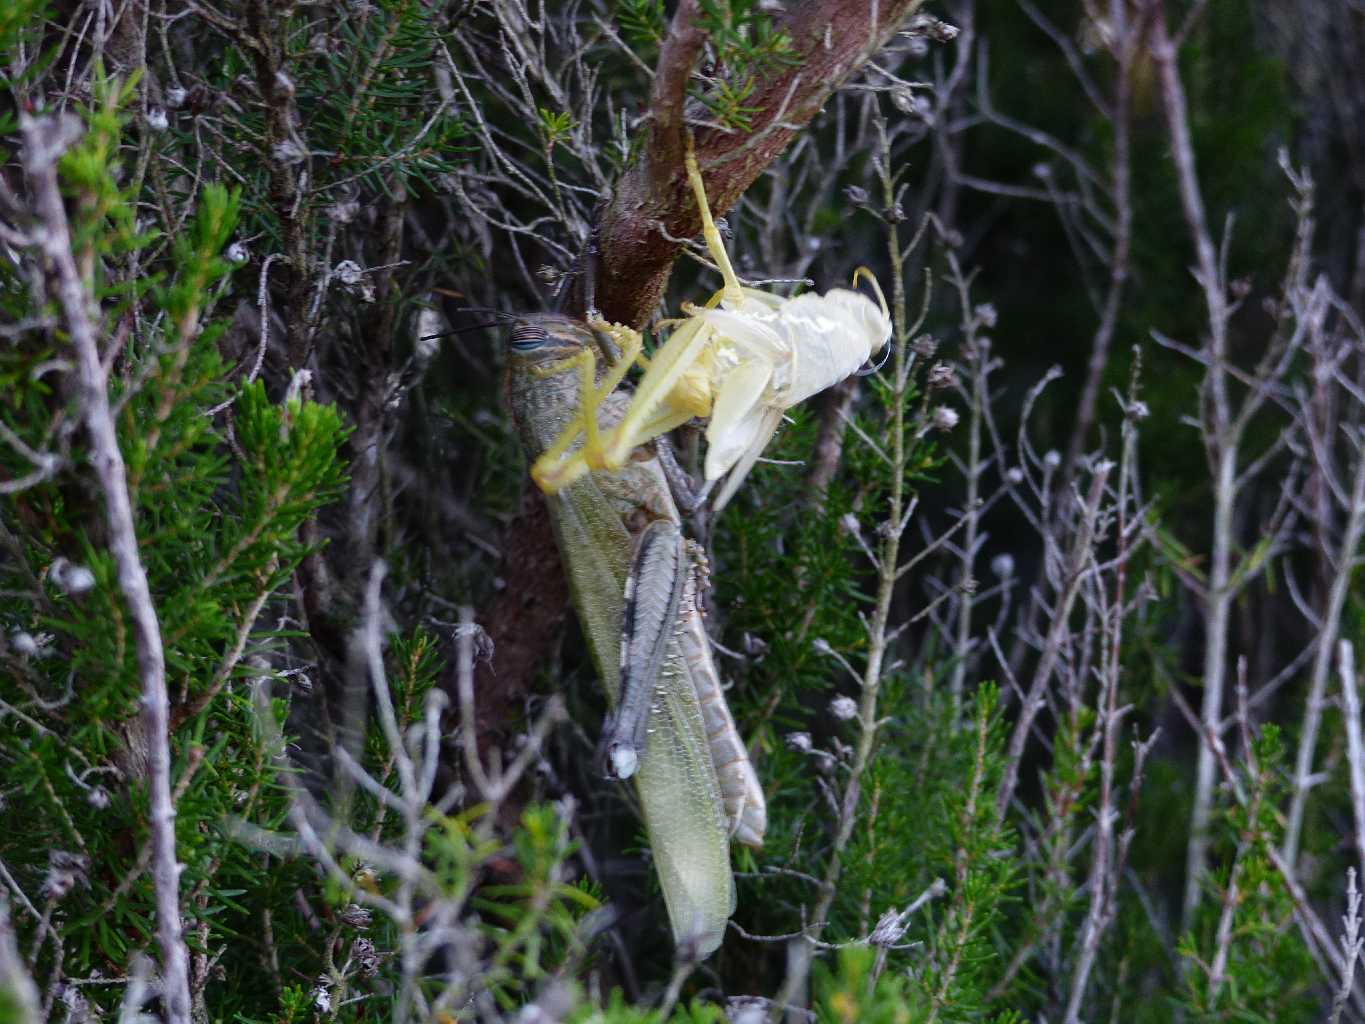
(541, 339)
(544, 385)
(543, 400)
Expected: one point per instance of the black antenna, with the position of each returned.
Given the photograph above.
(497, 314)
(463, 330)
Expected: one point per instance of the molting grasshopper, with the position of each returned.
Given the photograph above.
(742, 360)
(635, 585)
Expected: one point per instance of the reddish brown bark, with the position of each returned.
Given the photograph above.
(831, 39)
(524, 620)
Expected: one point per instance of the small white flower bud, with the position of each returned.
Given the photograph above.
(98, 798)
(932, 28)
(348, 272)
(746, 1010)
(1052, 458)
(365, 957)
(798, 742)
(175, 97)
(157, 120)
(945, 418)
(889, 931)
(356, 916)
(79, 580)
(986, 314)
(354, 279)
(843, 708)
(1014, 475)
(78, 1007)
(65, 871)
(903, 99)
(237, 253)
(24, 644)
(821, 646)
(73, 579)
(428, 341)
(288, 152)
(1003, 565)
(941, 377)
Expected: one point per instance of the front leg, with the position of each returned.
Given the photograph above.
(556, 467)
(654, 593)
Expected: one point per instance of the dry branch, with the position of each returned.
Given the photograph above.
(44, 141)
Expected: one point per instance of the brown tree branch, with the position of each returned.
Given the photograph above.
(830, 41)
(668, 100)
(523, 620)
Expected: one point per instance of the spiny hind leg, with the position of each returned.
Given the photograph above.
(733, 291)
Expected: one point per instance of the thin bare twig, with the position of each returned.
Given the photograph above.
(44, 141)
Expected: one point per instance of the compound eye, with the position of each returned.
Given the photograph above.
(526, 337)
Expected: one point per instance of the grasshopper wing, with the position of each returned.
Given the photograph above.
(680, 796)
(737, 416)
(768, 419)
(677, 773)
(654, 592)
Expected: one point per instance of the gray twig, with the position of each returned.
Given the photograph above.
(44, 141)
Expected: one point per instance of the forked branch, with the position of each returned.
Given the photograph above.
(652, 206)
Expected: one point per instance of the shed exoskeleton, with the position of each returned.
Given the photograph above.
(740, 361)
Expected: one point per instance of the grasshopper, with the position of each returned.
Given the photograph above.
(740, 362)
(635, 584)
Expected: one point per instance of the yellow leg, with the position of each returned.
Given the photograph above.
(629, 344)
(553, 471)
(733, 292)
(862, 272)
(653, 400)
(656, 408)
